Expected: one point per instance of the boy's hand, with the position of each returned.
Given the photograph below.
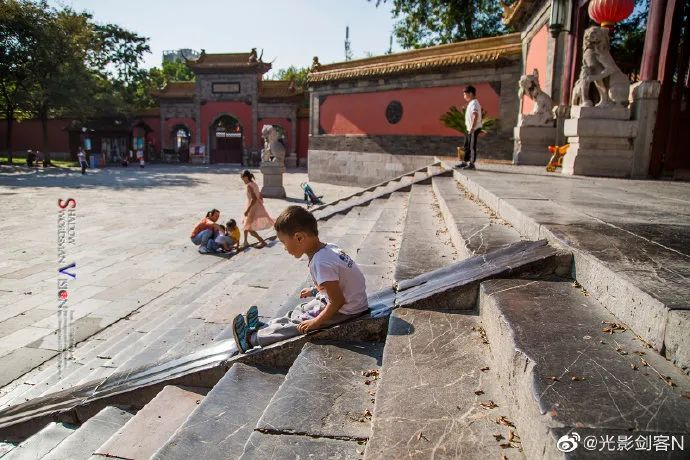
(304, 293)
(308, 325)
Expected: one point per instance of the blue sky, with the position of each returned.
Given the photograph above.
(291, 32)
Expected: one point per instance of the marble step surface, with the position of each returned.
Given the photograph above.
(567, 365)
(41, 443)
(474, 228)
(324, 404)
(437, 396)
(95, 431)
(220, 425)
(153, 425)
(425, 243)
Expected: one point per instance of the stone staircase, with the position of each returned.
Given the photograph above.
(484, 347)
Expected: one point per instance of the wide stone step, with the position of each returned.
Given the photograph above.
(473, 228)
(83, 442)
(41, 443)
(153, 425)
(437, 397)
(568, 366)
(221, 424)
(456, 286)
(425, 243)
(325, 403)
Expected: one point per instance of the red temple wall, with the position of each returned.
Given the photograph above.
(365, 113)
(536, 59)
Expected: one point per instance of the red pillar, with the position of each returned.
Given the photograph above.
(652, 41)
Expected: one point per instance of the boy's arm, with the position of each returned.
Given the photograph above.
(335, 302)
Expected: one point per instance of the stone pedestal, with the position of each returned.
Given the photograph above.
(601, 142)
(273, 179)
(645, 101)
(291, 160)
(531, 144)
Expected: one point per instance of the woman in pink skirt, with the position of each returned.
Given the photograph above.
(255, 216)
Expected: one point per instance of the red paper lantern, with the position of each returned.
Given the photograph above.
(609, 12)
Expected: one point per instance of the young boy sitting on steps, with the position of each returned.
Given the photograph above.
(340, 289)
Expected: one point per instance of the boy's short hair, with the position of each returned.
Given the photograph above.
(471, 90)
(231, 223)
(296, 219)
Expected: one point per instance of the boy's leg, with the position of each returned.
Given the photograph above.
(285, 327)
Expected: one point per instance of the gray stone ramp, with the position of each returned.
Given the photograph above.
(425, 244)
(472, 229)
(455, 287)
(567, 364)
(225, 419)
(41, 443)
(426, 405)
(153, 425)
(82, 443)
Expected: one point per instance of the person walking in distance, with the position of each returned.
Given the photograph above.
(81, 156)
(473, 125)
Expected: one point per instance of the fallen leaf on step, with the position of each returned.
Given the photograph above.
(502, 420)
(421, 436)
(633, 366)
(576, 378)
(498, 436)
(512, 437)
(554, 378)
(644, 363)
(479, 392)
(489, 404)
(503, 457)
(484, 369)
(506, 445)
(641, 353)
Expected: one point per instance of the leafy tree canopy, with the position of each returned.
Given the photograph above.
(298, 74)
(433, 22)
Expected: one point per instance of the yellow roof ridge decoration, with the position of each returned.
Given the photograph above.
(477, 51)
(271, 89)
(516, 10)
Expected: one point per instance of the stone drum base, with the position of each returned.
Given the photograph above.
(531, 144)
(601, 142)
(273, 180)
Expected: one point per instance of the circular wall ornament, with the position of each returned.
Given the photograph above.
(394, 112)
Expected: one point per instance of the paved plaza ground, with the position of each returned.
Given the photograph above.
(132, 246)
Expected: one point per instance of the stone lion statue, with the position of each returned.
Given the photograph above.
(541, 113)
(598, 67)
(274, 150)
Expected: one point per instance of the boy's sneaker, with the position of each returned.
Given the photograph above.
(462, 165)
(469, 166)
(203, 250)
(240, 332)
(253, 321)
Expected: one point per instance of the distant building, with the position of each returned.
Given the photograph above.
(180, 55)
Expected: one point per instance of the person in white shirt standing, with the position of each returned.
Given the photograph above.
(81, 156)
(473, 123)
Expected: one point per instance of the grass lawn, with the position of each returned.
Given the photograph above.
(22, 162)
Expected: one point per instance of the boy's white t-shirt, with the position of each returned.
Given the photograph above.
(473, 106)
(330, 263)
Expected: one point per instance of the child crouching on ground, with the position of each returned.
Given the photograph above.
(233, 231)
(340, 289)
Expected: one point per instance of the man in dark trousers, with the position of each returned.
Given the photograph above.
(473, 124)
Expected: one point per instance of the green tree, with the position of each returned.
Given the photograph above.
(298, 74)
(627, 40)
(18, 35)
(433, 22)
